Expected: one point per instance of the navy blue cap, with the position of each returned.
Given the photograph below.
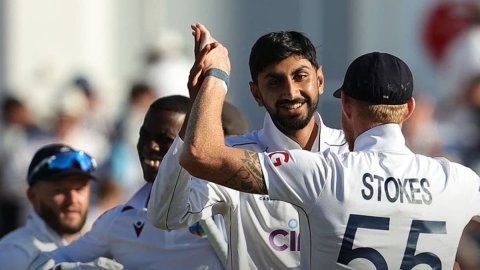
(68, 162)
(378, 78)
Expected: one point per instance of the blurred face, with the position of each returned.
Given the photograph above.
(473, 96)
(62, 204)
(289, 91)
(156, 136)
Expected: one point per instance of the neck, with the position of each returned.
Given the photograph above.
(69, 238)
(306, 136)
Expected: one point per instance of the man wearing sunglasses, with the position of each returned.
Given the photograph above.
(59, 191)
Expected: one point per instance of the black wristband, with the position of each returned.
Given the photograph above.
(218, 73)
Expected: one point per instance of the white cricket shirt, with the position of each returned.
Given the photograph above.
(20, 247)
(124, 234)
(263, 234)
(379, 207)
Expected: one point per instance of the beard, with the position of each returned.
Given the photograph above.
(288, 124)
(53, 220)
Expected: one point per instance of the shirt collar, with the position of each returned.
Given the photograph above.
(276, 140)
(140, 199)
(386, 137)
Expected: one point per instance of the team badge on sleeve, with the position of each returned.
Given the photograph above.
(197, 230)
(279, 157)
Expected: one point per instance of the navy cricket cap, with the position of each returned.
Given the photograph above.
(57, 161)
(378, 78)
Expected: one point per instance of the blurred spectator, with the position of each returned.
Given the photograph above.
(167, 66)
(96, 117)
(459, 123)
(124, 168)
(472, 95)
(21, 136)
(462, 55)
(71, 113)
(421, 129)
(460, 131)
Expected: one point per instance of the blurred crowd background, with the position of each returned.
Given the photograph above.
(83, 72)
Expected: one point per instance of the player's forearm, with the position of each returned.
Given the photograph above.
(204, 139)
(205, 155)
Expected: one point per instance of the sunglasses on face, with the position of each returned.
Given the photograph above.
(64, 161)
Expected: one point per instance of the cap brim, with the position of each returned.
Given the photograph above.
(64, 174)
(338, 93)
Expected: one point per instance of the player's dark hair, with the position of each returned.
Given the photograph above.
(175, 103)
(276, 46)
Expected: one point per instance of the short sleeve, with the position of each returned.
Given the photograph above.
(295, 176)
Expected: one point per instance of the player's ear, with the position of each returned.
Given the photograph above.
(411, 108)
(320, 80)
(256, 93)
(31, 195)
(346, 106)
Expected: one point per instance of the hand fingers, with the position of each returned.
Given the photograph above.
(205, 38)
(196, 70)
(196, 38)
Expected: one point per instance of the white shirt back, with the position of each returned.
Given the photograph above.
(379, 207)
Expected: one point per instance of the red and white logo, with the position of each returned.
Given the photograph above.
(279, 157)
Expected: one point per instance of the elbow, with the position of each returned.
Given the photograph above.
(161, 223)
(155, 220)
(166, 224)
(191, 160)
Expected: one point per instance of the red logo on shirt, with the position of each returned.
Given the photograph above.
(278, 157)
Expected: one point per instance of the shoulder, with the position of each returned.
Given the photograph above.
(18, 238)
(333, 139)
(19, 247)
(246, 141)
(453, 168)
(108, 218)
(15, 257)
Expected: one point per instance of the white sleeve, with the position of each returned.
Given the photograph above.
(470, 181)
(295, 176)
(177, 200)
(14, 257)
(94, 244)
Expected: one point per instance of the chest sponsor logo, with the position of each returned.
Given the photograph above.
(138, 226)
(289, 239)
(279, 157)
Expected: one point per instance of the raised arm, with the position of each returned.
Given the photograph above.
(177, 201)
(204, 154)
